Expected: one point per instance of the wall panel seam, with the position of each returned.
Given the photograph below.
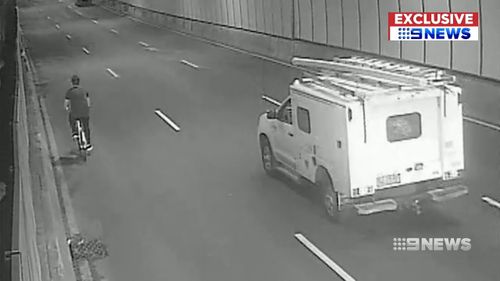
(342, 21)
(425, 42)
(359, 25)
(379, 27)
(481, 41)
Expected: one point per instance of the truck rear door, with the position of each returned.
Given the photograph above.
(404, 141)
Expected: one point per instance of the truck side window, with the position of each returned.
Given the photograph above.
(285, 112)
(303, 120)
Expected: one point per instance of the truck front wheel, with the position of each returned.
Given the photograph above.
(268, 160)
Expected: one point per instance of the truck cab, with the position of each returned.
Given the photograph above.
(370, 134)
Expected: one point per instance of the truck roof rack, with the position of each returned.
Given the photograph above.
(381, 72)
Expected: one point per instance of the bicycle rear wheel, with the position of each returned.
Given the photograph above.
(82, 141)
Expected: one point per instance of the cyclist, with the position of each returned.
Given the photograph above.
(77, 103)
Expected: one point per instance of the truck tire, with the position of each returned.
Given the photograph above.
(328, 195)
(267, 156)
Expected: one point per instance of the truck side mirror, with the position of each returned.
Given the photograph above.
(271, 114)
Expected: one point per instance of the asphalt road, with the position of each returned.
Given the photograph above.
(196, 204)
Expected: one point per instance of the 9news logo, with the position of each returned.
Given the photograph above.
(431, 244)
(411, 26)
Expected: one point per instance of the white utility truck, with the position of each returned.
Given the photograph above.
(371, 134)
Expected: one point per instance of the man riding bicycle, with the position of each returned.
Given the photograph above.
(77, 103)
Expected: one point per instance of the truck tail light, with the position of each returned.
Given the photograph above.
(369, 189)
(451, 175)
(361, 191)
(355, 192)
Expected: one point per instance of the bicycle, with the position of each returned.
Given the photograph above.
(81, 140)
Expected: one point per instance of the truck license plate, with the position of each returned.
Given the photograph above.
(388, 180)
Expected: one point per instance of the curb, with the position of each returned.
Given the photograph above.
(60, 264)
(56, 175)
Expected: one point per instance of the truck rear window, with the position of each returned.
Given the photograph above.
(404, 127)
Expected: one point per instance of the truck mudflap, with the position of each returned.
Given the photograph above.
(391, 204)
(443, 194)
(376, 206)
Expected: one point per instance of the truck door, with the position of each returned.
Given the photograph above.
(405, 140)
(284, 138)
(305, 159)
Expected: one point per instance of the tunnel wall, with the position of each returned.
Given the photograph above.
(356, 25)
(7, 98)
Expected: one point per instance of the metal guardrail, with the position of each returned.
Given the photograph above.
(25, 261)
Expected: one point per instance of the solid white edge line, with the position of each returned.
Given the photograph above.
(491, 202)
(323, 257)
(166, 119)
(143, 44)
(482, 123)
(85, 50)
(112, 73)
(271, 100)
(190, 64)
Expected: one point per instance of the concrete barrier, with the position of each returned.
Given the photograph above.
(26, 264)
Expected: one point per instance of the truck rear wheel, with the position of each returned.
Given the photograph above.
(268, 160)
(329, 197)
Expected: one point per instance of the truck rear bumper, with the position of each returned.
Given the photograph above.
(392, 204)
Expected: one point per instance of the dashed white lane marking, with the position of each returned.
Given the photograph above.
(151, 49)
(68, 36)
(114, 31)
(167, 120)
(49, 18)
(271, 100)
(143, 44)
(85, 50)
(324, 258)
(190, 64)
(79, 13)
(95, 21)
(482, 123)
(58, 26)
(70, 7)
(491, 202)
(112, 73)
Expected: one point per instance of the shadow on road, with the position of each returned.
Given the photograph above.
(71, 158)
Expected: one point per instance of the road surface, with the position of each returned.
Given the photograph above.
(195, 204)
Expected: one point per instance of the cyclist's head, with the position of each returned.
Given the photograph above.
(75, 80)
